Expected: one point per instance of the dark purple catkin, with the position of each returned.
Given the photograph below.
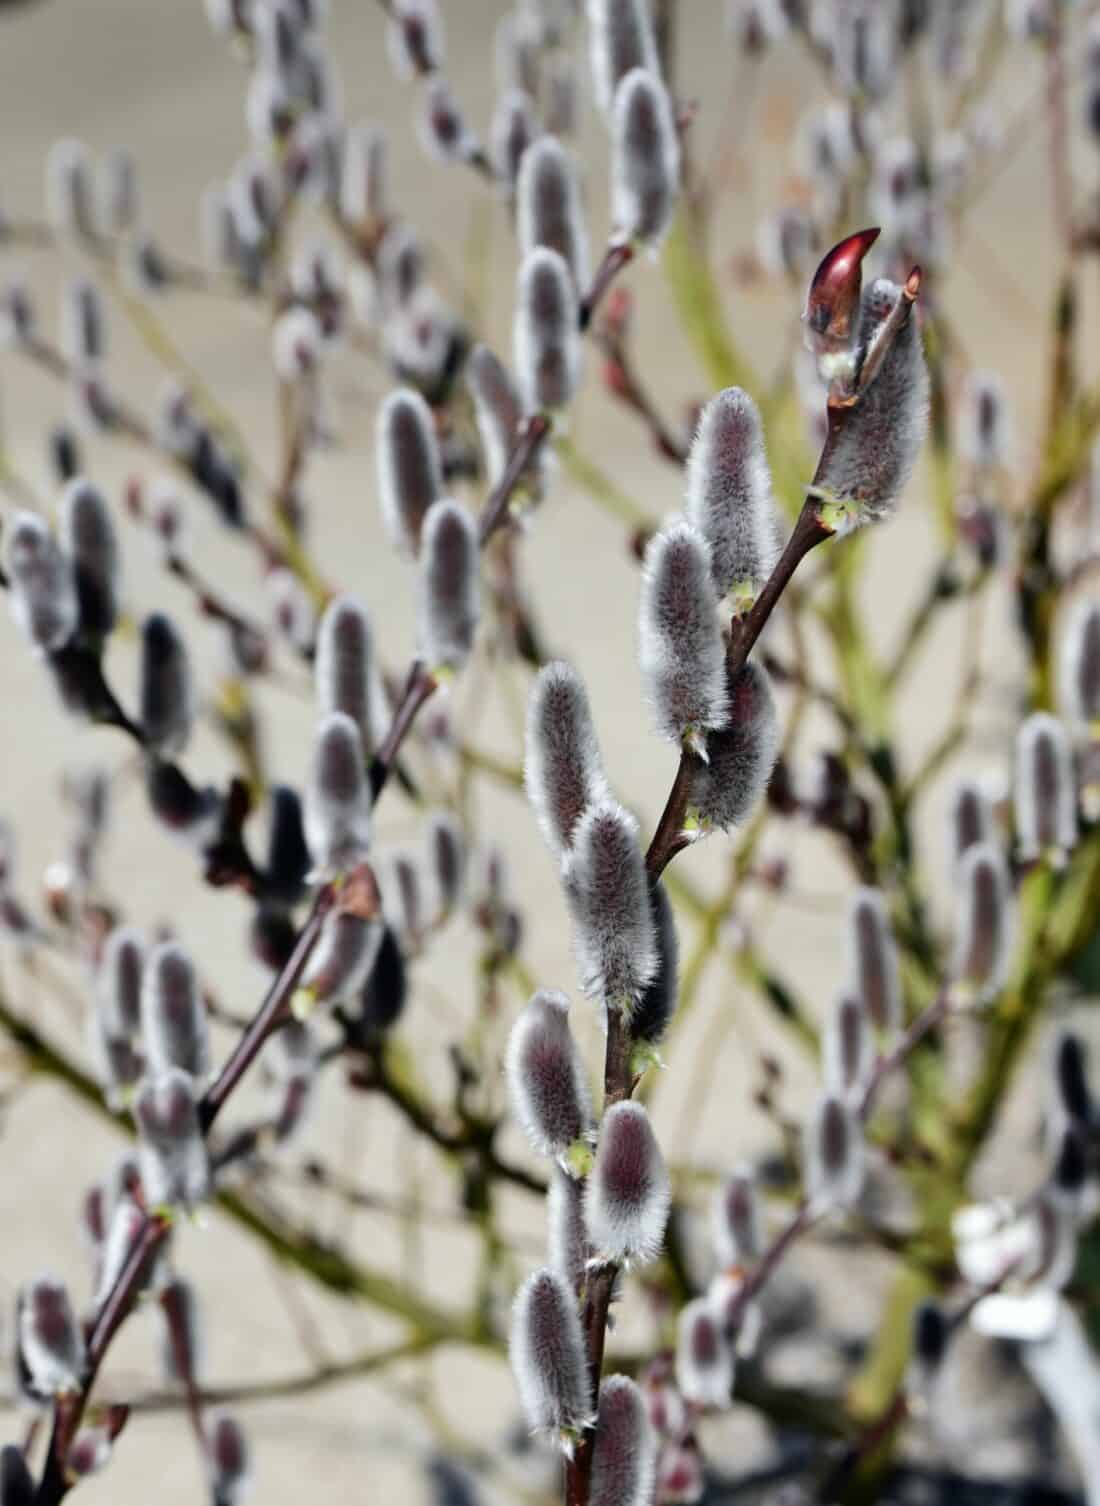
(118, 982)
(740, 756)
(620, 39)
(704, 1357)
(833, 1156)
(414, 37)
(548, 1357)
(70, 192)
(42, 590)
(175, 1170)
(984, 932)
(729, 495)
(511, 132)
(545, 1077)
(403, 899)
(848, 1051)
(1069, 1173)
(51, 1344)
(83, 323)
(873, 975)
(444, 133)
(449, 596)
(337, 802)
(645, 162)
(877, 446)
(341, 962)
(970, 820)
(345, 672)
(566, 1236)
(562, 769)
(1080, 663)
(17, 1486)
(286, 869)
(1045, 794)
(166, 695)
(1071, 1081)
(546, 332)
(386, 989)
(549, 211)
(984, 431)
(119, 1064)
(608, 894)
(173, 1015)
(654, 1010)
(410, 475)
(446, 853)
(624, 1455)
(680, 640)
(181, 1351)
(229, 1460)
(88, 538)
(737, 1227)
(930, 1335)
(628, 1193)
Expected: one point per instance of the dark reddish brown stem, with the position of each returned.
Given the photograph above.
(528, 445)
(618, 255)
(419, 687)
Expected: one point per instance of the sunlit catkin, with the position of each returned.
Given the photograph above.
(740, 755)
(337, 803)
(620, 38)
(173, 1015)
(848, 1050)
(984, 932)
(737, 1225)
(704, 1357)
(833, 1156)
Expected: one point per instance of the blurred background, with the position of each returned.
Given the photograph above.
(154, 78)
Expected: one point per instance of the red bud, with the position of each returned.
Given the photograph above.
(833, 299)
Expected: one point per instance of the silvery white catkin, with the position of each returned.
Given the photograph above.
(833, 1154)
(17, 1485)
(447, 862)
(364, 184)
(403, 901)
(628, 1193)
(51, 1344)
(970, 819)
(410, 473)
(1045, 795)
(345, 670)
(737, 1226)
(118, 981)
(873, 974)
(876, 450)
(704, 1358)
(175, 1169)
(43, 587)
(566, 1236)
(118, 1062)
(88, 538)
(1080, 662)
(548, 1357)
(562, 770)
(296, 342)
(740, 756)
(654, 1010)
(1071, 1083)
(181, 1343)
(545, 1076)
(645, 162)
(83, 323)
(729, 493)
(497, 409)
(848, 1050)
(400, 266)
(620, 38)
(984, 932)
(608, 894)
(444, 134)
(70, 197)
(984, 430)
(166, 695)
(549, 211)
(624, 1454)
(345, 953)
(681, 651)
(449, 594)
(337, 802)
(230, 1462)
(173, 1015)
(546, 333)
(414, 37)
(512, 130)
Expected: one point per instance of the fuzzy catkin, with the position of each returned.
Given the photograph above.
(1079, 663)
(620, 38)
(88, 538)
(337, 804)
(984, 935)
(645, 163)
(545, 1076)
(875, 450)
(173, 1016)
(1045, 794)
(704, 1357)
(42, 593)
(410, 475)
(562, 770)
(566, 1235)
(512, 130)
(680, 641)
(848, 1050)
(549, 211)
(118, 981)
(729, 493)
(737, 1226)
(167, 696)
(449, 591)
(628, 1192)
(548, 1357)
(546, 333)
(624, 1455)
(342, 959)
(833, 1156)
(345, 672)
(873, 973)
(608, 894)
(175, 1169)
(654, 1010)
(970, 820)
(497, 409)
(51, 1344)
(741, 755)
